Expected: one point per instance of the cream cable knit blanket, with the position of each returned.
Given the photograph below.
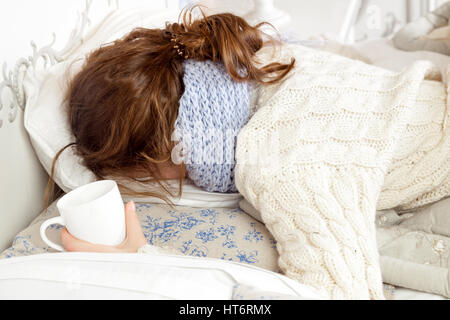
(313, 159)
(420, 170)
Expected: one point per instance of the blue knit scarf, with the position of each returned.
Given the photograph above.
(212, 111)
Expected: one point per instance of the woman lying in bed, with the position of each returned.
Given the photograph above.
(349, 138)
(124, 104)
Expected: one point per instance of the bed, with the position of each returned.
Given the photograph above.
(215, 242)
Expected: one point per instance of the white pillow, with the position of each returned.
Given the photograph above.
(382, 53)
(45, 116)
(423, 34)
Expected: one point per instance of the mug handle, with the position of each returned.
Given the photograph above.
(45, 225)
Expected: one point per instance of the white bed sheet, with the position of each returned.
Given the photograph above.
(408, 294)
(382, 53)
(137, 276)
(147, 276)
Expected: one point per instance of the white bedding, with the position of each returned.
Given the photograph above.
(382, 53)
(193, 196)
(113, 276)
(141, 276)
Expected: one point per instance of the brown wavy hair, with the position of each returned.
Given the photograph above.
(123, 104)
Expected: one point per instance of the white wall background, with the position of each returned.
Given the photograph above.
(24, 20)
(308, 17)
(378, 18)
(382, 18)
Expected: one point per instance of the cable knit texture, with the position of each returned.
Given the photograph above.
(212, 111)
(313, 159)
(420, 171)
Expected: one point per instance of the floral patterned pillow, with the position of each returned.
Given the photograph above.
(228, 234)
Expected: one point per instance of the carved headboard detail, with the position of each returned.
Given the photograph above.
(43, 57)
(22, 177)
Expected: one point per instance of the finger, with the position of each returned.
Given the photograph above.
(73, 244)
(135, 236)
(132, 220)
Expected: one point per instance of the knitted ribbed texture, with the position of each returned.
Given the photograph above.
(212, 111)
(420, 171)
(313, 158)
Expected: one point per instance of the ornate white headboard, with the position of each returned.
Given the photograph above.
(22, 178)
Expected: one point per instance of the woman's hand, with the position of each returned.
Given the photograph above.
(134, 240)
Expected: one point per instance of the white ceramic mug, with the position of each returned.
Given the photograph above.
(93, 213)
